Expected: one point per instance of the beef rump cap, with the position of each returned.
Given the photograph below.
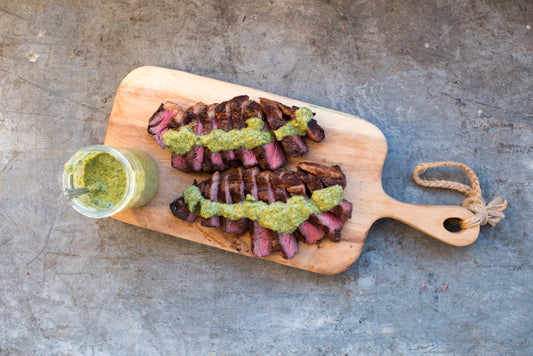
(234, 184)
(227, 116)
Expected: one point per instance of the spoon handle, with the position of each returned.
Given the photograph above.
(76, 192)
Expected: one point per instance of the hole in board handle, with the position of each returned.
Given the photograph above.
(453, 225)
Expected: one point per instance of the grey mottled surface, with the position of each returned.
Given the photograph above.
(443, 80)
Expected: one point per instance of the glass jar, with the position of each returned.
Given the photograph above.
(138, 183)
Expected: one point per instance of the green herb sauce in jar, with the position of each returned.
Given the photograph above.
(117, 179)
(106, 170)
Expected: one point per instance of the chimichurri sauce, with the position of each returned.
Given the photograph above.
(183, 140)
(105, 176)
(281, 217)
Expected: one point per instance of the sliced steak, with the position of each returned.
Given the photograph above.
(294, 146)
(209, 190)
(229, 115)
(264, 192)
(273, 113)
(248, 157)
(250, 185)
(234, 184)
(158, 124)
(311, 181)
(274, 156)
(288, 244)
(343, 211)
(181, 210)
(223, 117)
(285, 244)
(294, 184)
(195, 157)
(216, 158)
(331, 224)
(236, 190)
(329, 175)
(232, 226)
(261, 240)
(278, 185)
(179, 162)
(261, 237)
(314, 131)
(237, 122)
(269, 156)
(311, 233)
(277, 116)
(253, 109)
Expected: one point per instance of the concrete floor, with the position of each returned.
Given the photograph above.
(443, 80)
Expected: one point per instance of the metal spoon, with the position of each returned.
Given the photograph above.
(72, 193)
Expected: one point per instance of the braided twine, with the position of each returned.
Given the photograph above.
(483, 213)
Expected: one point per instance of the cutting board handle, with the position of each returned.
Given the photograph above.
(433, 220)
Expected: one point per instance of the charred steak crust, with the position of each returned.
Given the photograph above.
(232, 186)
(229, 115)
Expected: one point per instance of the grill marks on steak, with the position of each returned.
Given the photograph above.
(195, 157)
(277, 115)
(229, 115)
(209, 189)
(233, 185)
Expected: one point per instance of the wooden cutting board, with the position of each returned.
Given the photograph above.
(351, 142)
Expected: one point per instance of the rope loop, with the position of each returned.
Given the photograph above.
(490, 213)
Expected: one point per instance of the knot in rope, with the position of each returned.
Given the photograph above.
(490, 213)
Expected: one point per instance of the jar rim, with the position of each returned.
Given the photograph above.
(130, 181)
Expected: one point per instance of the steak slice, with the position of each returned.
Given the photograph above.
(314, 131)
(223, 117)
(311, 233)
(195, 157)
(253, 109)
(158, 124)
(237, 120)
(331, 224)
(294, 146)
(285, 244)
(295, 186)
(261, 240)
(177, 119)
(274, 155)
(343, 211)
(216, 157)
(288, 244)
(179, 162)
(329, 175)
(277, 116)
(248, 157)
(236, 190)
(264, 192)
(181, 210)
(270, 155)
(261, 237)
(224, 196)
(311, 181)
(250, 186)
(209, 190)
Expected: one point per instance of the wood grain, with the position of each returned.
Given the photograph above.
(351, 142)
